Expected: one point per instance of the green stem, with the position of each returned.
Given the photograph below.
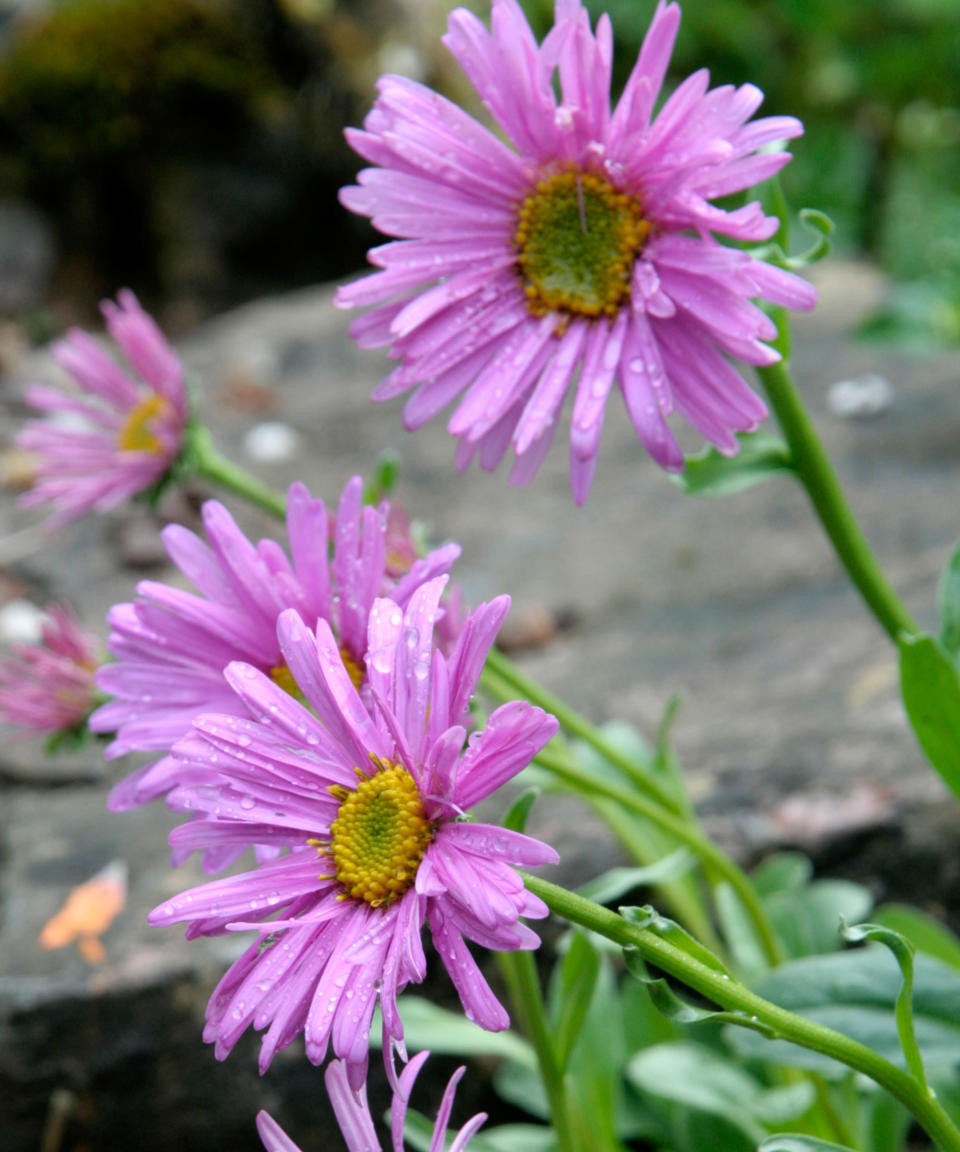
(219, 470)
(732, 996)
(708, 852)
(519, 972)
(576, 725)
(818, 477)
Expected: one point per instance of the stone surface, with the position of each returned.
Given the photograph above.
(791, 728)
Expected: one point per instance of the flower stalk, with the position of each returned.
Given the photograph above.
(817, 475)
(734, 997)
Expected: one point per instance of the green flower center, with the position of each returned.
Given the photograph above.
(577, 239)
(379, 836)
(138, 433)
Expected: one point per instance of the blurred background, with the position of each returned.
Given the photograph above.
(193, 148)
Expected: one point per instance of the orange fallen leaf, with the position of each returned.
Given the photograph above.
(88, 912)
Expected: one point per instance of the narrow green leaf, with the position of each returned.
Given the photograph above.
(789, 1142)
(931, 696)
(739, 933)
(514, 1138)
(709, 473)
(669, 1004)
(822, 227)
(948, 597)
(924, 933)
(426, 1025)
(648, 917)
(616, 882)
(572, 994)
(903, 951)
(782, 872)
(519, 811)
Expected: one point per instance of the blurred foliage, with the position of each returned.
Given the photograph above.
(95, 79)
(101, 90)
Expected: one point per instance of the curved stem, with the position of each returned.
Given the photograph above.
(708, 852)
(578, 726)
(519, 972)
(219, 470)
(818, 477)
(731, 995)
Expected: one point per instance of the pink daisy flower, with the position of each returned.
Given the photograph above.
(120, 435)
(353, 1114)
(371, 809)
(579, 255)
(48, 688)
(172, 645)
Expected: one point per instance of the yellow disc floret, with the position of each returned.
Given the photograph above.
(379, 836)
(138, 433)
(355, 669)
(283, 678)
(577, 239)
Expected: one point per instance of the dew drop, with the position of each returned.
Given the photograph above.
(248, 802)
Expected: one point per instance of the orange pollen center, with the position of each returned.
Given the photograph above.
(379, 836)
(139, 432)
(577, 239)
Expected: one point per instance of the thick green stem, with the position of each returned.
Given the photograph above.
(223, 472)
(712, 857)
(578, 726)
(816, 473)
(519, 972)
(732, 996)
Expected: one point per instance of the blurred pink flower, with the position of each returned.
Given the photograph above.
(119, 434)
(48, 687)
(583, 255)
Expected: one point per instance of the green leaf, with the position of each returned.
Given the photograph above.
(514, 1138)
(782, 872)
(808, 919)
(519, 811)
(931, 696)
(575, 978)
(788, 1142)
(426, 1025)
(649, 918)
(670, 1005)
(386, 473)
(616, 882)
(822, 227)
(855, 992)
(948, 597)
(702, 1080)
(709, 473)
(903, 952)
(923, 932)
(739, 933)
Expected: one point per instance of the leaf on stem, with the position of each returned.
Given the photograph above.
(903, 951)
(948, 598)
(931, 696)
(710, 473)
(791, 1142)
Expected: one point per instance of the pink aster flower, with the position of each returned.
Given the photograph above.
(579, 255)
(173, 645)
(371, 809)
(356, 1123)
(47, 688)
(120, 434)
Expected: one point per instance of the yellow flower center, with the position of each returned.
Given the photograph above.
(379, 836)
(139, 433)
(577, 238)
(283, 678)
(355, 669)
